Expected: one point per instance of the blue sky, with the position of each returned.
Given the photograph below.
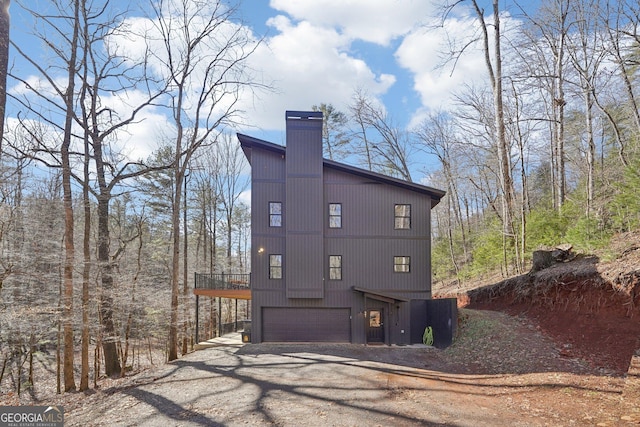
(321, 51)
(351, 45)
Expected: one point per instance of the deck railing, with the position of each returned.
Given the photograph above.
(222, 281)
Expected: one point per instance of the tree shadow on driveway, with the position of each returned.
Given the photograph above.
(309, 385)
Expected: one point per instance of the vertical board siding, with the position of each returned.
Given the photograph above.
(304, 208)
(304, 201)
(267, 185)
(261, 194)
(368, 240)
(304, 272)
(262, 166)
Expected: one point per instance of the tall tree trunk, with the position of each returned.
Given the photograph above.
(503, 146)
(185, 276)
(175, 258)
(109, 338)
(69, 245)
(591, 150)
(494, 68)
(134, 290)
(457, 209)
(175, 270)
(86, 235)
(450, 227)
(4, 62)
(587, 54)
(558, 106)
(86, 274)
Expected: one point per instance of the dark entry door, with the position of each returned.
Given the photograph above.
(375, 331)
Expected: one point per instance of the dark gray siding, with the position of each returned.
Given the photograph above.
(304, 275)
(368, 241)
(267, 185)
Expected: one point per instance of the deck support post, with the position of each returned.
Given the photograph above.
(219, 317)
(197, 317)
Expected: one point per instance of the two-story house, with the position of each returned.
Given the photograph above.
(339, 254)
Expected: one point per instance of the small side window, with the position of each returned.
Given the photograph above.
(275, 214)
(335, 215)
(335, 267)
(402, 215)
(402, 264)
(275, 266)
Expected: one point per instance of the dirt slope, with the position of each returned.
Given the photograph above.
(589, 305)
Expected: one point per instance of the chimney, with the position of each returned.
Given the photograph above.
(304, 205)
(304, 141)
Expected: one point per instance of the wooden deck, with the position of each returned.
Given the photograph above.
(221, 285)
(224, 293)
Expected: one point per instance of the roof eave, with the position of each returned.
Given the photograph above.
(435, 194)
(249, 142)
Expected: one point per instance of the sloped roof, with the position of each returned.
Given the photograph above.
(249, 142)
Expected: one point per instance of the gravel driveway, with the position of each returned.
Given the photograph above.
(337, 385)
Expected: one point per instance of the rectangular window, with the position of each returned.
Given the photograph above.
(275, 214)
(335, 215)
(335, 267)
(402, 217)
(401, 264)
(275, 266)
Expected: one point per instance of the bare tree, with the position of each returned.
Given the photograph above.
(29, 314)
(386, 147)
(232, 180)
(207, 200)
(547, 39)
(108, 70)
(203, 58)
(333, 130)
(490, 37)
(86, 234)
(621, 22)
(586, 56)
(437, 136)
(357, 110)
(242, 221)
(519, 129)
(4, 62)
(69, 100)
(65, 106)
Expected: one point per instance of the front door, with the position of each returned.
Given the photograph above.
(375, 331)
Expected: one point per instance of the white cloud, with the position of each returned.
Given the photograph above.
(245, 197)
(369, 20)
(422, 53)
(147, 132)
(309, 57)
(140, 140)
(308, 64)
(437, 75)
(34, 84)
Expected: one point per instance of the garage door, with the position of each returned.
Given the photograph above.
(306, 324)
